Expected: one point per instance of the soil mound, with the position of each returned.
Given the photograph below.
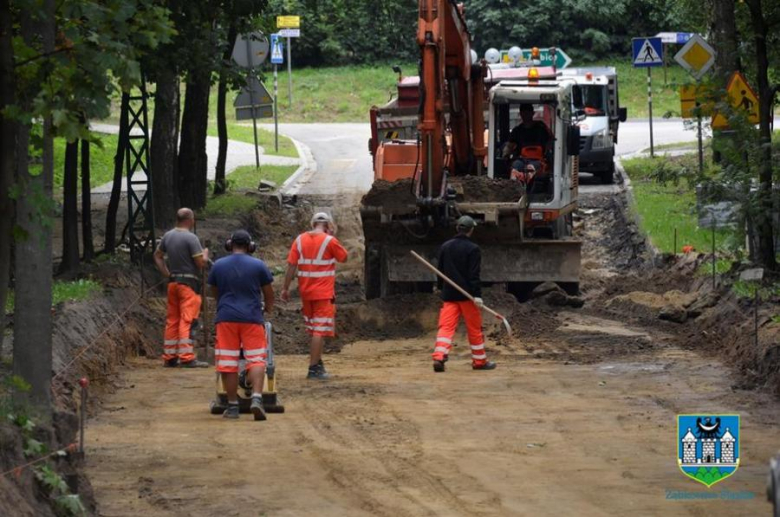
(393, 196)
(476, 189)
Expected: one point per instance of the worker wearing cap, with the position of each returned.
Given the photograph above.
(243, 288)
(312, 259)
(460, 259)
(185, 261)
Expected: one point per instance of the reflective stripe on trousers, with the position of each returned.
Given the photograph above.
(449, 317)
(183, 309)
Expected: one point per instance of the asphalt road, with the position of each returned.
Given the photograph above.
(344, 163)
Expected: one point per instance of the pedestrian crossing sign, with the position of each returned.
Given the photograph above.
(647, 52)
(742, 98)
(277, 57)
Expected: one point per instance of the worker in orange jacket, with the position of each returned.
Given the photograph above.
(185, 261)
(461, 259)
(313, 257)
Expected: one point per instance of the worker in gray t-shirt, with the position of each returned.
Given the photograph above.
(185, 261)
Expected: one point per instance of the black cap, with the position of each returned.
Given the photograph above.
(241, 237)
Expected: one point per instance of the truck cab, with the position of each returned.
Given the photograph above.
(602, 116)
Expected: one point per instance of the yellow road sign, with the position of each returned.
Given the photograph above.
(696, 56)
(741, 97)
(693, 96)
(288, 22)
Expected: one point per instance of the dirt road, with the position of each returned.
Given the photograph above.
(579, 418)
(388, 437)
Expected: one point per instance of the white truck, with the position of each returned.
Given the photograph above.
(603, 114)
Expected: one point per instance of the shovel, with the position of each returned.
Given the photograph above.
(462, 291)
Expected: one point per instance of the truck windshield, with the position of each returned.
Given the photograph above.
(595, 100)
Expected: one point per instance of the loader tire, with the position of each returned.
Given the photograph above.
(608, 177)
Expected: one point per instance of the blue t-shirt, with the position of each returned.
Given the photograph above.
(238, 279)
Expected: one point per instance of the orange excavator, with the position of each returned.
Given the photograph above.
(465, 113)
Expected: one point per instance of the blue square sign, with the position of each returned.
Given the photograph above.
(647, 52)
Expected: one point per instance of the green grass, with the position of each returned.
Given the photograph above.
(632, 83)
(101, 160)
(248, 177)
(229, 204)
(747, 290)
(244, 133)
(664, 207)
(76, 290)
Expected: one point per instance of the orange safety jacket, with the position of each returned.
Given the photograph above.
(315, 255)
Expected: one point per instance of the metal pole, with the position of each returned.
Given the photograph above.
(276, 108)
(650, 107)
(83, 382)
(701, 145)
(252, 97)
(755, 311)
(713, 253)
(675, 241)
(289, 69)
(666, 82)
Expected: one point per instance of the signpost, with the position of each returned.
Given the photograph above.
(741, 97)
(691, 106)
(251, 50)
(290, 27)
(277, 58)
(755, 276)
(648, 53)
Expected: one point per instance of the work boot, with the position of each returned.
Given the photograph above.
(257, 408)
(487, 365)
(171, 363)
(195, 364)
(231, 412)
(318, 372)
(438, 366)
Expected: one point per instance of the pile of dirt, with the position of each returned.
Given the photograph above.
(481, 189)
(392, 196)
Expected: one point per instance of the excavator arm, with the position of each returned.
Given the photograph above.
(449, 84)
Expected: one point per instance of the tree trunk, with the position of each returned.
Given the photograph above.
(70, 213)
(725, 39)
(220, 183)
(766, 241)
(163, 155)
(116, 189)
(8, 130)
(86, 204)
(32, 318)
(193, 162)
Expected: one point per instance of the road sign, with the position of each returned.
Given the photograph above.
(696, 56)
(290, 33)
(752, 275)
(264, 111)
(288, 22)
(253, 91)
(562, 59)
(257, 50)
(741, 97)
(674, 38)
(647, 52)
(277, 50)
(693, 96)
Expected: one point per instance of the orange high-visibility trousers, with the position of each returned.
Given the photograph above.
(183, 309)
(449, 317)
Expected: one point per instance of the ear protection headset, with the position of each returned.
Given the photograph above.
(251, 247)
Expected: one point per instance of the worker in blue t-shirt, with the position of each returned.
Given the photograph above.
(243, 288)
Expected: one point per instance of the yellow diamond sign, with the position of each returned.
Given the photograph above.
(696, 56)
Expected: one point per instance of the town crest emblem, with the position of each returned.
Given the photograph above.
(708, 446)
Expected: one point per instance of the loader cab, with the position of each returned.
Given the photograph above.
(552, 101)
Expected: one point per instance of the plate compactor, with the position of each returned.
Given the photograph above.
(270, 398)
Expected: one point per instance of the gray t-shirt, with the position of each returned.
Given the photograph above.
(181, 247)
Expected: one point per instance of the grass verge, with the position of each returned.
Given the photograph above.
(244, 133)
(243, 179)
(664, 207)
(101, 160)
(76, 290)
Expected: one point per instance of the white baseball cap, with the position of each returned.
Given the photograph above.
(321, 217)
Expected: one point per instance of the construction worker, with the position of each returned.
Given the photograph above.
(313, 256)
(529, 132)
(185, 261)
(460, 259)
(243, 288)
